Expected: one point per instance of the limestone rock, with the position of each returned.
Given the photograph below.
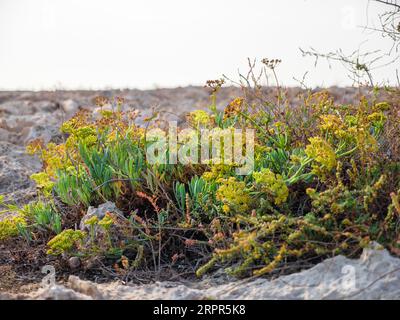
(15, 168)
(70, 106)
(44, 132)
(375, 275)
(100, 212)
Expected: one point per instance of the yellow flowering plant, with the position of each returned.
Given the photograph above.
(272, 184)
(325, 180)
(234, 196)
(65, 242)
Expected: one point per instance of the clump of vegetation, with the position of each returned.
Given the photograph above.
(326, 181)
(65, 241)
(9, 226)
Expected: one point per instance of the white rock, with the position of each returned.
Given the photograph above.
(16, 107)
(4, 135)
(70, 106)
(376, 275)
(100, 212)
(15, 168)
(44, 132)
(58, 292)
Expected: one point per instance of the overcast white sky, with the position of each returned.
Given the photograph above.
(49, 44)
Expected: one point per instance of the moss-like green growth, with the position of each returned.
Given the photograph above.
(10, 226)
(65, 242)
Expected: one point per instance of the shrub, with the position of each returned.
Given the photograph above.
(323, 184)
(66, 241)
(10, 226)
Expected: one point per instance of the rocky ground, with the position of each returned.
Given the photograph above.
(28, 115)
(375, 275)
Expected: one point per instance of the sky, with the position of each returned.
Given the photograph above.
(98, 44)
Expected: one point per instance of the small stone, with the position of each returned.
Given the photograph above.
(100, 212)
(74, 262)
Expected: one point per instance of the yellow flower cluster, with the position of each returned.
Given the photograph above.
(331, 122)
(217, 171)
(92, 221)
(43, 182)
(107, 114)
(78, 121)
(106, 222)
(322, 152)
(34, 146)
(9, 226)
(234, 195)
(52, 155)
(376, 117)
(233, 108)
(273, 184)
(86, 135)
(54, 158)
(355, 126)
(199, 117)
(65, 241)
